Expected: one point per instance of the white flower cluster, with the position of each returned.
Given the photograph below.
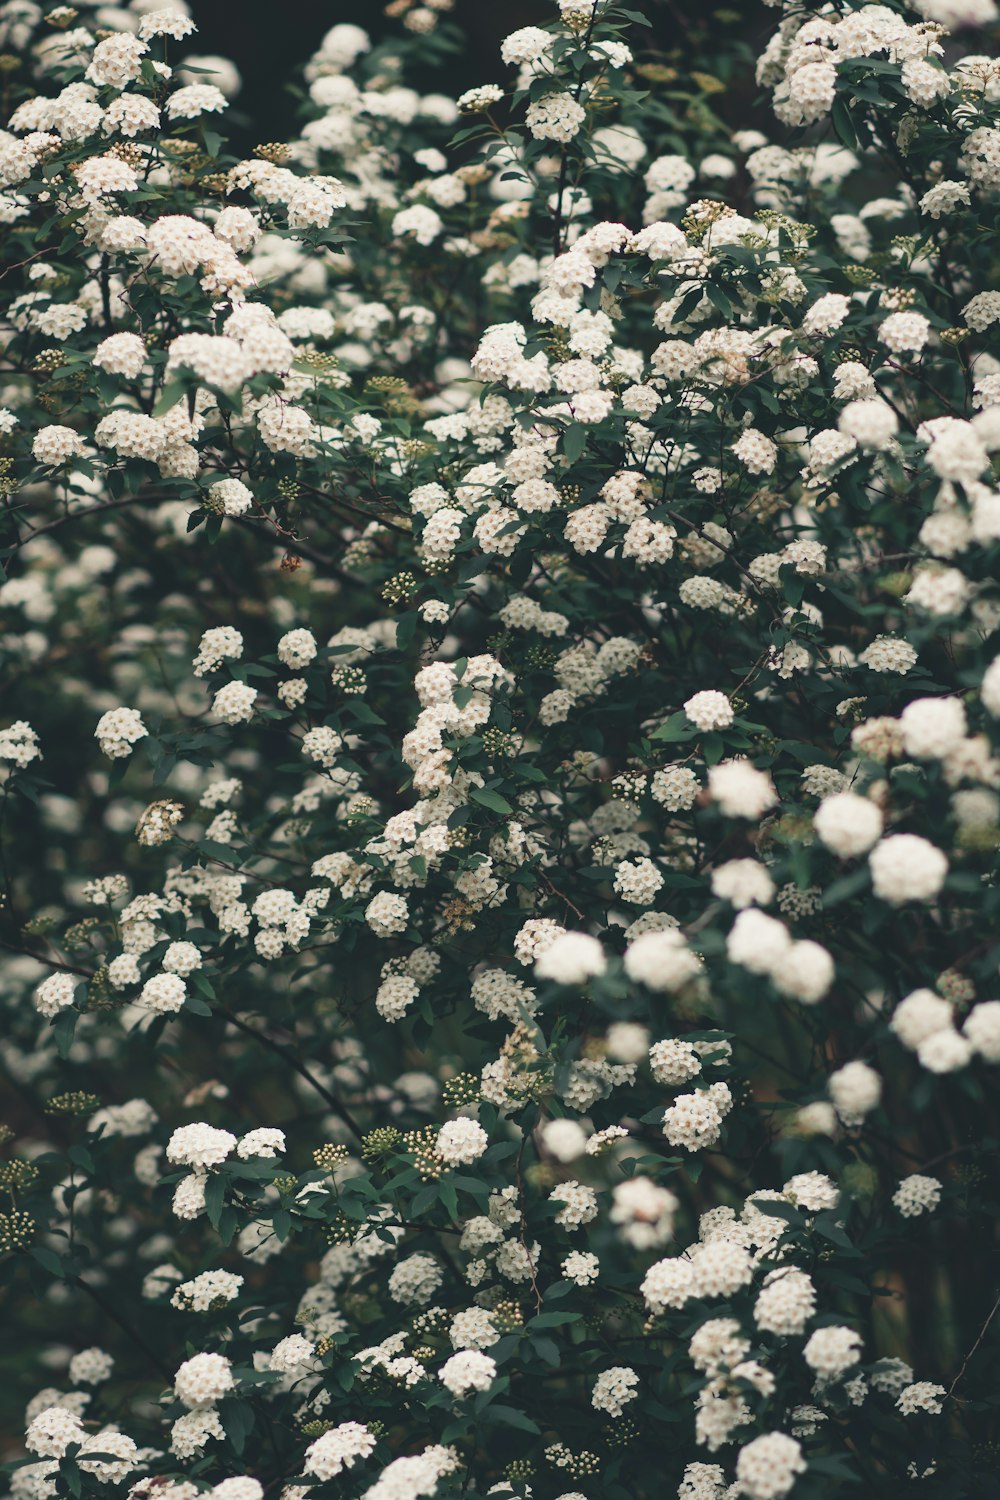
(556, 574)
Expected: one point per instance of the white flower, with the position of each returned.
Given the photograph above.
(119, 730)
(755, 451)
(758, 942)
(121, 354)
(786, 1302)
(579, 1204)
(581, 1267)
(768, 1466)
(204, 1292)
(932, 727)
(468, 1370)
(693, 1121)
(905, 332)
(231, 496)
(234, 703)
(918, 1016)
(573, 958)
(194, 100)
(871, 423)
(338, 1449)
(614, 1389)
(856, 1090)
(564, 1139)
(661, 960)
(199, 1146)
(906, 867)
(461, 1141)
(743, 882)
(52, 1430)
(982, 1028)
(90, 1367)
(387, 913)
(420, 222)
(265, 1142)
(709, 710)
(164, 993)
(297, 648)
(848, 824)
(917, 1194)
(806, 972)
(54, 994)
(924, 1396)
(831, 1351)
(292, 1355)
(555, 117)
(740, 790)
(638, 881)
(203, 1379)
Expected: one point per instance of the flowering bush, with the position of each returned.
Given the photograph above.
(500, 780)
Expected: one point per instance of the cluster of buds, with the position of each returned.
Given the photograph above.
(275, 152)
(74, 1103)
(17, 1175)
(461, 1090)
(381, 1142)
(422, 1145)
(328, 1156)
(349, 680)
(17, 1230)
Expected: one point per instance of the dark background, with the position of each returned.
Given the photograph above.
(271, 40)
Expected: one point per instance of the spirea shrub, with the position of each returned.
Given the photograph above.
(499, 760)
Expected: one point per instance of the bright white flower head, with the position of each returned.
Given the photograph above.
(461, 1141)
(203, 1379)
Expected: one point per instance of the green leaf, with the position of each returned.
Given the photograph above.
(843, 125)
(846, 887)
(509, 1416)
(237, 1420)
(48, 1260)
(424, 1200)
(173, 391)
(807, 755)
(490, 799)
(64, 1028)
(677, 727)
(794, 589)
(553, 1320)
(776, 1210)
(215, 1197)
(449, 1197)
(406, 629)
(574, 441)
(713, 747)
(547, 1350)
(718, 299)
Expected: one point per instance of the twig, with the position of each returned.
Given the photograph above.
(979, 1340)
(524, 1220)
(81, 515)
(112, 1312)
(45, 958)
(288, 1056)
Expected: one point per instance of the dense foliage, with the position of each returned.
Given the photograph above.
(499, 762)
